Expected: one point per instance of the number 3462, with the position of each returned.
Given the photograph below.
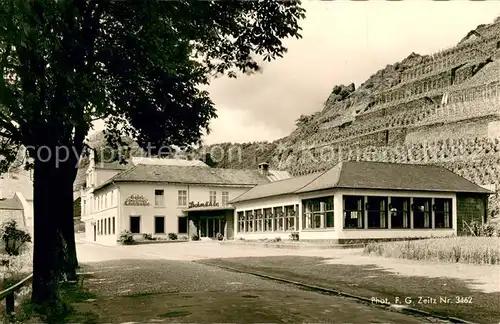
(463, 300)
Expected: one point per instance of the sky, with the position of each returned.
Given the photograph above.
(343, 42)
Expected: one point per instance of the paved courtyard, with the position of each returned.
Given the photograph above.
(159, 283)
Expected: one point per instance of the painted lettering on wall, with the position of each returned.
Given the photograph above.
(203, 204)
(136, 200)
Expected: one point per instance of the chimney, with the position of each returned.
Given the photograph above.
(264, 168)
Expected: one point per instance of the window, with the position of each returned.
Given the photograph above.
(259, 219)
(377, 212)
(399, 209)
(105, 226)
(98, 228)
(84, 207)
(159, 224)
(102, 228)
(353, 212)
(290, 222)
(114, 228)
(318, 212)
(159, 198)
(106, 200)
(268, 219)
(183, 225)
(182, 197)
(213, 197)
(135, 224)
(111, 201)
(442, 213)
(249, 220)
(421, 212)
(225, 198)
(241, 222)
(279, 219)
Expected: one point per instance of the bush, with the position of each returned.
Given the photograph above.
(195, 237)
(126, 237)
(294, 236)
(13, 238)
(276, 239)
(220, 237)
(172, 236)
(488, 229)
(148, 237)
(474, 250)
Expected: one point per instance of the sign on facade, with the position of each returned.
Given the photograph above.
(201, 204)
(136, 200)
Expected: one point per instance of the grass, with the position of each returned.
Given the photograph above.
(472, 250)
(369, 282)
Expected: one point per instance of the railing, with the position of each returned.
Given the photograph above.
(8, 294)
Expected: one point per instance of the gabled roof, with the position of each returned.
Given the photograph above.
(369, 175)
(167, 161)
(11, 204)
(277, 188)
(188, 175)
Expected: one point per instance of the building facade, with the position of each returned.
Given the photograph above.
(361, 201)
(162, 196)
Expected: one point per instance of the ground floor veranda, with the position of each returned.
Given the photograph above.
(348, 215)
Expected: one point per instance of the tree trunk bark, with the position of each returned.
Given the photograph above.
(47, 194)
(68, 232)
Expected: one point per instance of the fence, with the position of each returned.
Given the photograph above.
(9, 293)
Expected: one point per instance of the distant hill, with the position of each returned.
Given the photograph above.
(441, 109)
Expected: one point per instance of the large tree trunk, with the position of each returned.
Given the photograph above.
(68, 173)
(47, 215)
(70, 262)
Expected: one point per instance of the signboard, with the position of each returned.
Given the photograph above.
(136, 200)
(201, 204)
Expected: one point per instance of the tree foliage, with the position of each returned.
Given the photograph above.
(139, 65)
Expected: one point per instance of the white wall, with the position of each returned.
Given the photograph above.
(171, 210)
(338, 232)
(285, 200)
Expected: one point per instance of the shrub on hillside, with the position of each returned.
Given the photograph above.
(13, 238)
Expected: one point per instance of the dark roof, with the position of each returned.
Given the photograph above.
(281, 187)
(188, 175)
(370, 175)
(10, 203)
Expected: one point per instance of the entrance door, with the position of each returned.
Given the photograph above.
(210, 226)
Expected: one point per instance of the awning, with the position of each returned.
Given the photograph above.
(194, 209)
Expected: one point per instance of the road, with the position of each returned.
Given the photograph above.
(161, 283)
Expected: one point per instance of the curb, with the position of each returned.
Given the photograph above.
(300, 247)
(394, 307)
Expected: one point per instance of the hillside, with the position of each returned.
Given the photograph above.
(441, 109)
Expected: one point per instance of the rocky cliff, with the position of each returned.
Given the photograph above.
(441, 109)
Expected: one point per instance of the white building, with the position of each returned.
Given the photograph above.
(162, 196)
(16, 199)
(361, 201)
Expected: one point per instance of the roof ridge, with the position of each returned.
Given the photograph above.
(321, 174)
